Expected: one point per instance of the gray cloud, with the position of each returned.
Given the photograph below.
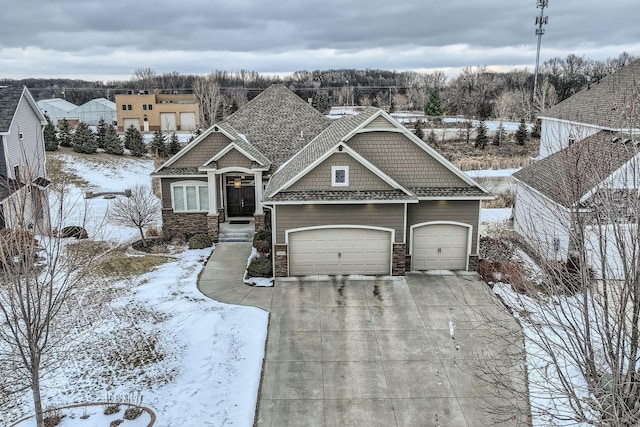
(102, 39)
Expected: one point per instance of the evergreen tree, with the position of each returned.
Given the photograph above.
(392, 107)
(522, 134)
(220, 112)
(537, 129)
(434, 106)
(133, 142)
(374, 102)
(101, 133)
(500, 135)
(234, 106)
(320, 101)
(112, 142)
(50, 136)
(417, 129)
(481, 135)
(159, 144)
(64, 133)
(174, 144)
(84, 140)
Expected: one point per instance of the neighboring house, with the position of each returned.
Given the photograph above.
(23, 183)
(358, 195)
(149, 112)
(92, 111)
(58, 109)
(610, 104)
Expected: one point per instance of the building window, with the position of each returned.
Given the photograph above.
(572, 139)
(339, 176)
(150, 107)
(190, 196)
(144, 107)
(124, 107)
(129, 107)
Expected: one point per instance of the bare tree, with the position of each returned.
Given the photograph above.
(207, 92)
(139, 210)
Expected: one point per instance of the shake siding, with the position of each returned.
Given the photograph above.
(380, 123)
(388, 216)
(403, 160)
(206, 149)
(28, 153)
(166, 188)
(360, 178)
(463, 211)
(234, 158)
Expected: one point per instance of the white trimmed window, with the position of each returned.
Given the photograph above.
(339, 176)
(190, 196)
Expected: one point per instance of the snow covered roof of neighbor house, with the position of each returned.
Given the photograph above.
(278, 123)
(568, 175)
(612, 103)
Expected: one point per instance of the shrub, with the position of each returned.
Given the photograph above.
(262, 235)
(262, 242)
(19, 245)
(111, 409)
(260, 267)
(153, 232)
(74, 231)
(200, 241)
(132, 413)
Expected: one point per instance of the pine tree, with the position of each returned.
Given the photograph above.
(133, 142)
(101, 133)
(434, 106)
(64, 133)
(159, 144)
(500, 135)
(374, 102)
(174, 144)
(392, 107)
(84, 140)
(481, 136)
(220, 112)
(521, 133)
(50, 135)
(112, 142)
(417, 129)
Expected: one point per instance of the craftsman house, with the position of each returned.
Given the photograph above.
(358, 195)
(23, 186)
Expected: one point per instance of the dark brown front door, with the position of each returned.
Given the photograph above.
(241, 201)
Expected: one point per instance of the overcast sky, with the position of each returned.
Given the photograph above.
(109, 39)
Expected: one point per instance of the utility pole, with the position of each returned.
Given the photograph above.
(540, 21)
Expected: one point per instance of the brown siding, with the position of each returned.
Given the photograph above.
(463, 211)
(403, 160)
(206, 149)
(166, 188)
(234, 158)
(380, 123)
(360, 178)
(386, 215)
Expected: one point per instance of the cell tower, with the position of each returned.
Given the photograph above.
(540, 21)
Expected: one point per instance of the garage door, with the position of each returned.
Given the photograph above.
(440, 247)
(131, 122)
(168, 121)
(339, 251)
(187, 121)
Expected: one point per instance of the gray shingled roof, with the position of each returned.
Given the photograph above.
(178, 171)
(243, 143)
(9, 99)
(612, 103)
(278, 123)
(339, 196)
(316, 148)
(448, 192)
(568, 175)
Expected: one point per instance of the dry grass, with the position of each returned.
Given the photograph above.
(506, 199)
(60, 176)
(506, 156)
(118, 263)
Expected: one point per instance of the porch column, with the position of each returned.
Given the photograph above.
(258, 185)
(213, 193)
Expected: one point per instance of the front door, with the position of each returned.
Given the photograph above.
(241, 201)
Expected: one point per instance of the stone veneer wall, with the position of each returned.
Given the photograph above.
(259, 221)
(183, 223)
(398, 262)
(473, 262)
(281, 267)
(213, 227)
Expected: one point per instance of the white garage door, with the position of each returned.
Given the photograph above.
(440, 247)
(187, 121)
(340, 251)
(168, 121)
(129, 122)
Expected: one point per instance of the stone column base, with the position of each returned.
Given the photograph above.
(399, 259)
(259, 220)
(474, 261)
(281, 261)
(213, 227)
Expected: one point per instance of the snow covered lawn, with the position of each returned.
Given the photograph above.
(197, 361)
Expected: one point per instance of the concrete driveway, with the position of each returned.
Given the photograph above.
(389, 352)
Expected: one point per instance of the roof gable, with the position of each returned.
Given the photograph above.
(10, 98)
(569, 175)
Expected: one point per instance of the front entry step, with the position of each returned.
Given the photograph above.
(235, 237)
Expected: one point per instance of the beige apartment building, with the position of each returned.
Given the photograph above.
(149, 112)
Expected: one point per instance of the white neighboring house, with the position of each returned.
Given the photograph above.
(57, 109)
(92, 111)
(23, 183)
(588, 159)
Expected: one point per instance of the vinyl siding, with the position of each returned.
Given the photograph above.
(166, 188)
(463, 211)
(403, 160)
(28, 152)
(234, 158)
(388, 216)
(360, 178)
(201, 153)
